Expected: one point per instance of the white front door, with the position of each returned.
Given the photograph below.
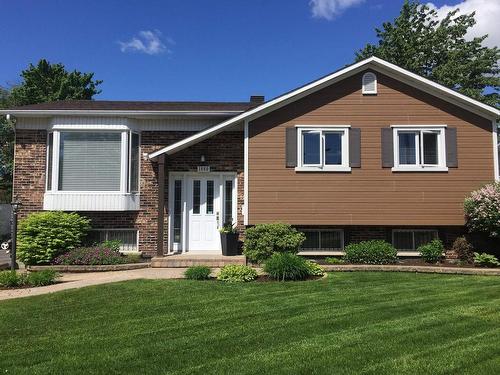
(203, 193)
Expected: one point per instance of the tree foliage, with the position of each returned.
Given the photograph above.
(419, 41)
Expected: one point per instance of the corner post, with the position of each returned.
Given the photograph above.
(161, 204)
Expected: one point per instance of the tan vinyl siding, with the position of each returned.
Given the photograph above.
(370, 195)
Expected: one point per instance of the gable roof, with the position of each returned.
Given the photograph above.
(375, 63)
(113, 107)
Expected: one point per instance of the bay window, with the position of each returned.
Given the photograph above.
(419, 148)
(93, 161)
(323, 148)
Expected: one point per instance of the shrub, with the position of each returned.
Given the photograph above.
(486, 260)
(333, 260)
(262, 240)
(90, 256)
(482, 210)
(370, 252)
(463, 249)
(42, 236)
(13, 279)
(41, 278)
(236, 273)
(133, 258)
(198, 273)
(114, 245)
(286, 266)
(431, 252)
(314, 268)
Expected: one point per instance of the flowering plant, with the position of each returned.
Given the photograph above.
(482, 210)
(90, 256)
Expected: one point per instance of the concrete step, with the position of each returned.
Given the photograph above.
(187, 260)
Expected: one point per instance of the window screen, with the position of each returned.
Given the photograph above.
(134, 162)
(323, 240)
(411, 240)
(89, 161)
(127, 237)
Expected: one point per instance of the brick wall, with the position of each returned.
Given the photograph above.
(223, 152)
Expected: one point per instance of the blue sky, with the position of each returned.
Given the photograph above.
(195, 50)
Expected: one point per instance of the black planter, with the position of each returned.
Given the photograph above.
(229, 243)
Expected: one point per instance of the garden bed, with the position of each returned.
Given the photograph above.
(413, 268)
(90, 268)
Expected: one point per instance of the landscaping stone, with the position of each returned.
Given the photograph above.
(422, 269)
(88, 268)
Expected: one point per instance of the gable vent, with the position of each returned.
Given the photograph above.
(369, 83)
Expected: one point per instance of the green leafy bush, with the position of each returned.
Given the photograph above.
(236, 273)
(486, 260)
(133, 258)
(42, 236)
(90, 256)
(41, 278)
(286, 266)
(370, 252)
(114, 245)
(463, 249)
(314, 268)
(13, 279)
(198, 273)
(262, 240)
(431, 252)
(482, 210)
(333, 260)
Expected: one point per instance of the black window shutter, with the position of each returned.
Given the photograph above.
(451, 147)
(355, 148)
(291, 147)
(387, 148)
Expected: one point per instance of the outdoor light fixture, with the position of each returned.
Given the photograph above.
(15, 209)
(202, 158)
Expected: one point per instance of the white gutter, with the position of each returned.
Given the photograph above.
(69, 112)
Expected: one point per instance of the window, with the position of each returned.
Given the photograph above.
(127, 237)
(412, 239)
(50, 146)
(93, 161)
(323, 149)
(228, 202)
(210, 197)
(134, 162)
(196, 197)
(419, 148)
(323, 240)
(369, 83)
(177, 210)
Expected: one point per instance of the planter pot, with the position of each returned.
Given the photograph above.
(229, 242)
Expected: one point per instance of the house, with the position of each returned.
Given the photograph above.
(371, 151)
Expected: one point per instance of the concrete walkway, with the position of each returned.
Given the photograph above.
(80, 280)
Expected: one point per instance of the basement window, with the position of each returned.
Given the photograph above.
(127, 237)
(412, 239)
(323, 240)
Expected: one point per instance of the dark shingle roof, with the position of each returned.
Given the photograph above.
(109, 105)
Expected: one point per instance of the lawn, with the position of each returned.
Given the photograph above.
(349, 323)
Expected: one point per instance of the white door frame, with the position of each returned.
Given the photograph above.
(184, 176)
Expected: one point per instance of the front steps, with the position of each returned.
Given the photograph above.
(188, 260)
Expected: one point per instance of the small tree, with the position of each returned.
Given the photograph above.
(42, 236)
(482, 210)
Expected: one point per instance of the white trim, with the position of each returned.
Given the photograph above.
(372, 62)
(245, 175)
(364, 91)
(124, 162)
(91, 112)
(496, 148)
(322, 167)
(420, 166)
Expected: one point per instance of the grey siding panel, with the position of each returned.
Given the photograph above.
(387, 148)
(291, 147)
(355, 148)
(451, 148)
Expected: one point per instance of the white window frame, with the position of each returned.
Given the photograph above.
(413, 237)
(322, 167)
(420, 166)
(364, 90)
(125, 167)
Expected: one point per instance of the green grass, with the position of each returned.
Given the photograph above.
(349, 323)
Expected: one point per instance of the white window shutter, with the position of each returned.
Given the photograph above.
(369, 83)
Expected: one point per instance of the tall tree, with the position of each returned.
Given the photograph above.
(47, 82)
(419, 41)
(41, 83)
